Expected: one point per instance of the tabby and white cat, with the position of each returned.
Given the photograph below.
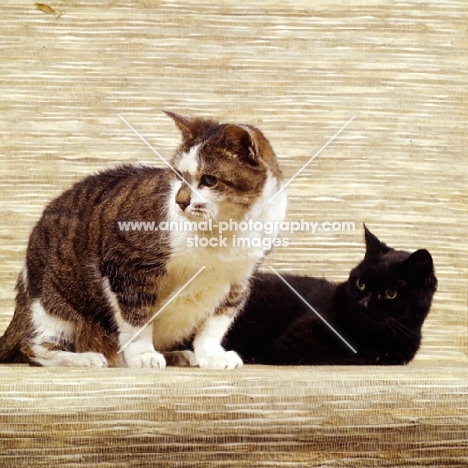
(89, 290)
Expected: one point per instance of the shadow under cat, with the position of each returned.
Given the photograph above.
(379, 310)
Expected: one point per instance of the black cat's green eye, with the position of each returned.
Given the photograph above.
(208, 180)
(360, 284)
(390, 294)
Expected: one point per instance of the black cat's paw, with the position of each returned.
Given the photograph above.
(389, 359)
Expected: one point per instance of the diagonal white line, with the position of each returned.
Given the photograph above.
(312, 158)
(312, 309)
(161, 309)
(159, 155)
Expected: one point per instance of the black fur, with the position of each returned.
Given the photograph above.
(276, 327)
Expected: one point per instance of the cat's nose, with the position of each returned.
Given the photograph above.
(183, 197)
(183, 205)
(364, 302)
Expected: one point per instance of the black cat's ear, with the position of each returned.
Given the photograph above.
(183, 123)
(373, 245)
(242, 142)
(419, 265)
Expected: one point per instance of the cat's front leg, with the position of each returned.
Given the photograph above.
(133, 313)
(209, 354)
(137, 347)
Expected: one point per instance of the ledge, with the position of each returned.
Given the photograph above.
(270, 416)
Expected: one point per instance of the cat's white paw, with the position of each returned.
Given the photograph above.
(150, 359)
(88, 359)
(220, 360)
(59, 358)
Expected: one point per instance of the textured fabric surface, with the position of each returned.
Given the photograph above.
(257, 416)
(299, 70)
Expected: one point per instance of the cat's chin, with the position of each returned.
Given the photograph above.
(196, 215)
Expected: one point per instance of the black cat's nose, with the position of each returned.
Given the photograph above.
(364, 302)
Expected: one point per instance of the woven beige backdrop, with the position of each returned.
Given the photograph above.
(299, 70)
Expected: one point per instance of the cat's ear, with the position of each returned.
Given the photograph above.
(241, 141)
(373, 245)
(419, 265)
(183, 123)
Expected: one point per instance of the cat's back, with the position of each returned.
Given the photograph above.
(105, 187)
(75, 225)
(317, 292)
(274, 304)
(290, 294)
(104, 195)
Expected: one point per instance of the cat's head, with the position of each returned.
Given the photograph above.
(391, 289)
(223, 169)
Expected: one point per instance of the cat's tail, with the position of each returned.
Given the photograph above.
(11, 343)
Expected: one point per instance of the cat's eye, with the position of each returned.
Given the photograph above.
(208, 180)
(360, 284)
(390, 294)
(178, 174)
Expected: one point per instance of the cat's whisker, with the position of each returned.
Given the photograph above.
(212, 214)
(404, 328)
(400, 331)
(208, 219)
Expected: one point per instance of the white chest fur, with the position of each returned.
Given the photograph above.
(224, 264)
(190, 306)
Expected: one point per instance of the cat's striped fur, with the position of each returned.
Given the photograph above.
(88, 289)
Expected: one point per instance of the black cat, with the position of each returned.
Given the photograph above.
(379, 311)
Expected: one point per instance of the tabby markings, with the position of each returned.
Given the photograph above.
(143, 139)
